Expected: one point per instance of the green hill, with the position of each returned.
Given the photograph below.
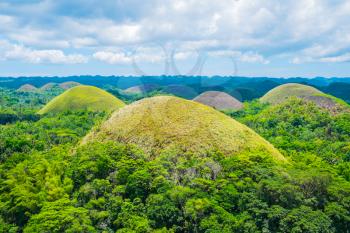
(165, 122)
(83, 97)
(282, 93)
(219, 100)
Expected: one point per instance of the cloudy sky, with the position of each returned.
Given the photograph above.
(279, 38)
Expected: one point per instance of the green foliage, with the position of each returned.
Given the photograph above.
(297, 126)
(49, 182)
(60, 216)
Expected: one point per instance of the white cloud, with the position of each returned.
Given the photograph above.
(248, 57)
(305, 31)
(112, 58)
(19, 52)
(142, 54)
(341, 58)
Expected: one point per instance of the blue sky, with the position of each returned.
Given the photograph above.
(191, 37)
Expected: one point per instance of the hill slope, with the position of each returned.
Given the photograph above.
(83, 97)
(219, 100)
(164, 122)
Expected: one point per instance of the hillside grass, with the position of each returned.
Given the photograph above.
(165, 123)
(285, 91)
(83, 98)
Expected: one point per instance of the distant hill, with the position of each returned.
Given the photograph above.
(285, 91)
(141, 89)
(81, 98)
(219, 100)
(49, 86)
(27, 88)
(181, 91)
(242, 88)
(166, 123)
(67, 85)
(282, 93)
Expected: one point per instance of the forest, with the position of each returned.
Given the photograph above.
(50, 182)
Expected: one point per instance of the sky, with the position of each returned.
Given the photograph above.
(275, 38)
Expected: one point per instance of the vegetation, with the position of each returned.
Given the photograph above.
(49, 182)
(83, 98)
(298, 126)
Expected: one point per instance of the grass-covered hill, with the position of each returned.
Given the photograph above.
(285, 91)
(219, 100)
(68, 85)
(282, 93)
(83, 98)
(165, 122)
(27, 88)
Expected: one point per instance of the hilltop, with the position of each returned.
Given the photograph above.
(282, 93)
(83, 97)
(219, 100)
(165, 122)
(49, 86)
(69, 84)
(27, 88)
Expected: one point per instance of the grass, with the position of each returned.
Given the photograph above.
(284, 92)
(83, 98)
(170, 123)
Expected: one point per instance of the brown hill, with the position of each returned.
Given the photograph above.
(219, 100)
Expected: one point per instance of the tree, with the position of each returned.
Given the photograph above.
(60, 216)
